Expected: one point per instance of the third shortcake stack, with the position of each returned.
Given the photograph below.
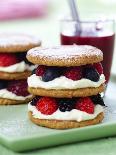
(14, 67)
(67, 85)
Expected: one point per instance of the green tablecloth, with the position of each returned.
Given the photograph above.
(48, 30)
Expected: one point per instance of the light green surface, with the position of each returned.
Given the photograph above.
(48, 30)
(97, 147)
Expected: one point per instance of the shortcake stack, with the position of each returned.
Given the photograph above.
(14, 67)
(67, 84)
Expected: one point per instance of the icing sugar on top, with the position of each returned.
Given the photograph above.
(7, 39)
(65, 51)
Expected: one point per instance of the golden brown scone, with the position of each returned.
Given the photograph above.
(4, 101)
(65, 55)
(68, 93)
(14, 76)
(59, 124)
(14, 42)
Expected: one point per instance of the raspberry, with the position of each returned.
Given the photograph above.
(73, 73)
(40, 70)
(7, 59)
(47, 105)
(98, 67)
(85, 104)
(18, 87)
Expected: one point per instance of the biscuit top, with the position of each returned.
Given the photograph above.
(65, 55)
(11, 42)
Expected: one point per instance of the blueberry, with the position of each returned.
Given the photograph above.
(3, 84)
(51, 73)
(66, 104)
(34, 100)
(97, 99)
(91, 74)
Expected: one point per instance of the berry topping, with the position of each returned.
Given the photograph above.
(97, 99)
(85, 104)
(40, 70)
(51, 73)
(73, 73)
(7, 59)
(34, 100)
(18, 87)
(91, 74)
(47, 105)
(3, 84)
(66, 104)
(98, 67)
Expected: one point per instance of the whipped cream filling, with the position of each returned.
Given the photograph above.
(63, 82)
(18, 67)
(74, 114)
(4, 93)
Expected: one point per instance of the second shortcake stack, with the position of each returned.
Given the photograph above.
(14, 67)
(66, 85)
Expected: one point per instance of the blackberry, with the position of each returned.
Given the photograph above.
(97, 99)
(91, 74)
(51, 73)
(66, 104)
(3, 84)
(34, 100)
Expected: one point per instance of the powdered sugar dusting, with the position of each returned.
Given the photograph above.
(9, 39)
(65, 51)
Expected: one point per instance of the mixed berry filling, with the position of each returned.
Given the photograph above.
(48, 105)
(49, 73)
(18, 87)
(8, 59)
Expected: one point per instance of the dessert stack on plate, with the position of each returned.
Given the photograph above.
(67, 84)
(14, 67)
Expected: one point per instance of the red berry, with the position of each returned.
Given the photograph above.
(73, 73)
(98, 67)
(40, 70)
(7, 59)
(18, 87)
(85, 104)
(47, 105)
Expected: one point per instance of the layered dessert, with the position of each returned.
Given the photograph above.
(14, 92)
(13, 62)
(15, 68)
(67, 84)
